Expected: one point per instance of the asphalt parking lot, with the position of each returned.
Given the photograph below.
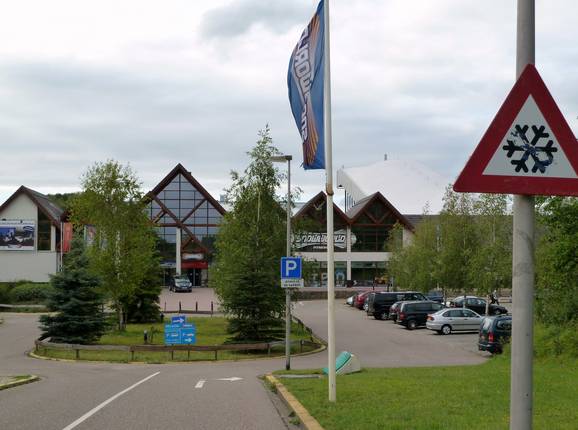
(385, 344)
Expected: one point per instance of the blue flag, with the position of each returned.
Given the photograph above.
(305, 82)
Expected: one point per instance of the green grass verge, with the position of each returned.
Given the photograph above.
(444, 398)
(210, 331)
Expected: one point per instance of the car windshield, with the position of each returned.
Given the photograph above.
(181, 280)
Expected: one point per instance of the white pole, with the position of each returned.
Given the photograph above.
(329, 190)
(178, 251)
(288, 254)
(523, 259)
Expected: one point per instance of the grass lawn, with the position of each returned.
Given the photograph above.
(210, 331)
(444, 398)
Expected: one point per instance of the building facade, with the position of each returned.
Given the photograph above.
(361, 240)
(30, 237)
(186, 219)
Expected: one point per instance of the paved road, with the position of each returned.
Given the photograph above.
(167, 396)
(169, 399)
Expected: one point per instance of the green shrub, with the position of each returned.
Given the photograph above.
(556, 340)
(30, 292)
(5, 289)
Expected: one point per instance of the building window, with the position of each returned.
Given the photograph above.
(44, 227)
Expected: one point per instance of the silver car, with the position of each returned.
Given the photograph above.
(447, 320)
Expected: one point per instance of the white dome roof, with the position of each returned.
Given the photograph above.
(407, 185)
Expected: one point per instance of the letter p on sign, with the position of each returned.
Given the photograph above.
(290, 267)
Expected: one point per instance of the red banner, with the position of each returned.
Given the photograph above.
(66, 236)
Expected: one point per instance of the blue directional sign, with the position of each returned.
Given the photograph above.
(178, 319)
(180, 334)
(172, 334)
(188, 335)
(291, 267)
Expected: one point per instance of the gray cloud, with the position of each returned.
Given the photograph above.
(237, 18)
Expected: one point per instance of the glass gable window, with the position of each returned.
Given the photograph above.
(189, 209)
(44, 225)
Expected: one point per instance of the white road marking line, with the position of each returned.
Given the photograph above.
(200, 383)
(106, 402)
(233, 379)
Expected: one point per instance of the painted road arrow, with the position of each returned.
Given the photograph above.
(233, 379)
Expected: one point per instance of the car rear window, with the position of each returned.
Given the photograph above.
(504, 325)
(486, 325)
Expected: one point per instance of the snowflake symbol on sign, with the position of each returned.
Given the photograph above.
(541, 155)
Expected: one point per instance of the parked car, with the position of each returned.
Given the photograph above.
(414, 314)
(494, 333)
(378, 303)
(349, 301)
(477, 304)
(446, 321)
(393, 311)
(436, 296)
(181, 283)
(361, 300)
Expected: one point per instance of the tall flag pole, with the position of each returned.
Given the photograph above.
(309, 82)
(329, 191)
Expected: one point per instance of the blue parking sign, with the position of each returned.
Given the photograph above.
(290, 267)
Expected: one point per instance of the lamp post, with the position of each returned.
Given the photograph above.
(282, 159)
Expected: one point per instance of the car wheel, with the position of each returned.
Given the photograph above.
(365, 308)
(446, 329)
(497, 312)
(384, 316)
(411, 324)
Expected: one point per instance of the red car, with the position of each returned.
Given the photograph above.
(359, 300)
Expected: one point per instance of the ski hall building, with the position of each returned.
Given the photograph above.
(361, 238)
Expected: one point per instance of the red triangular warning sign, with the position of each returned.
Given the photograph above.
(528, 148)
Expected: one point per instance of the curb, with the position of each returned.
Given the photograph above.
(303, 414)
(31, 378)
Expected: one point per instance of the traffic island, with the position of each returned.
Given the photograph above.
(211, 343)
(13, 381)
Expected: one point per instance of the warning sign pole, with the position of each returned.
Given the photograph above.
(523, 259)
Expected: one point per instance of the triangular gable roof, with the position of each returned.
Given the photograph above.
(320, 197)
(179, 168)
(355, 212)
(52, 211)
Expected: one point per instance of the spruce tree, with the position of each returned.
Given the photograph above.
(76, 301)
(249, 246)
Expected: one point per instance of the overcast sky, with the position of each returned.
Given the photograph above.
(155, 83)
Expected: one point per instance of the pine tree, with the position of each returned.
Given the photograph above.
(76, 300)
(249, 246)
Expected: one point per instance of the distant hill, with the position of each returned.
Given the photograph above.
(61, 199)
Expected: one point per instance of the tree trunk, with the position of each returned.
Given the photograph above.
(121, 320)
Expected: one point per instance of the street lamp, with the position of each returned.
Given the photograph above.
(282, 159)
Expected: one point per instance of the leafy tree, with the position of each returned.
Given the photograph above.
(124, 245)
(143, 306)
(557, 260)
(76, 301)
(249, 246)
(457, 240)
(490, 265)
